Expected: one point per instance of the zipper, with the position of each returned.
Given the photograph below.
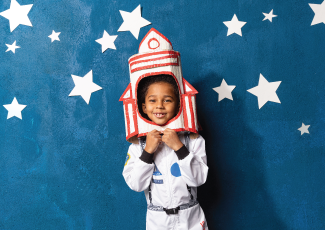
(169, 179)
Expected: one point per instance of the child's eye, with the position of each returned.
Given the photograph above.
(151, 100)
(168, 101)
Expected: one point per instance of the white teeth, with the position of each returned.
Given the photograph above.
(159, 114)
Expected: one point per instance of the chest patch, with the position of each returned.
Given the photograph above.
(127, 159)
(175, 170)
(156, 171)
(157, 176)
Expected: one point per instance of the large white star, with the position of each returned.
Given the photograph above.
(17, 15)
(265, 91)
(319, 10)
(224, 90)
(54, 36)
(304, 129)
(84, 86)
(269, 16)
(133, 21)
(107, 41)
(14, 109)
(234, 26)
(12, 47)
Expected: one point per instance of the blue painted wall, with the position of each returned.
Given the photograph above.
(61, 165)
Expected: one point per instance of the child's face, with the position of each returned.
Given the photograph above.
(160, 103)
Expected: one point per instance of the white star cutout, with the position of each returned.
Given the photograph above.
(84, 86)
(304, 129)
(269, 16)
(224, 90)
(17, 15)
(54, 36)
(265, 91)
(133, 21)
(12, 47)
(234, 26)
(319, 10)
(14, 109)
(107, 41)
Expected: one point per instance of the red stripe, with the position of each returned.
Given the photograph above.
(192, 111)
(197, 120)
(154, 59)
(153, 66)
(185, 112)
(134, 114)
(138, 56)
(135, 119)
(127, 116)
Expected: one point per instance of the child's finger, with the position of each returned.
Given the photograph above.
(165, 138)
(168, 131)
(156, 132)
(157, 136)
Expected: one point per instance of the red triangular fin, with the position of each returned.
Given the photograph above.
(127, 93)
(188, 88)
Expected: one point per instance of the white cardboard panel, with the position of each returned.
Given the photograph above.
(188, 112)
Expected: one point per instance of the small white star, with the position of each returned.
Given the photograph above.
(14, 109)
(17, 15)
(234, 26)
(269, 16)
(224, 90)
(84, 86)
(133, 21)
(107, 41)
(54, 36)
(265, 91)
(319, 10)
(304, 129)
(12, 47)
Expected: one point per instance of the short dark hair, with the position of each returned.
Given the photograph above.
(144, 84)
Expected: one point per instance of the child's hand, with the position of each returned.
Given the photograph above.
(171, 139)
(153, 141)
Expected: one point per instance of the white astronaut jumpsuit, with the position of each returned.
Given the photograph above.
(169, 180)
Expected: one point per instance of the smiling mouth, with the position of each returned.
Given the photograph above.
(160, 115)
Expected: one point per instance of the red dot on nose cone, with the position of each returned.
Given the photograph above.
(153, 43)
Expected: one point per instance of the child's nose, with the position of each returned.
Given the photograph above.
(160, 104)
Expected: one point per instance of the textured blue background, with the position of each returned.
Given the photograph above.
(61, 165)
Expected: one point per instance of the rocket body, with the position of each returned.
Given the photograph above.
(156, 56)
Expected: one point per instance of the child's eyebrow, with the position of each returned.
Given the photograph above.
(156, 96)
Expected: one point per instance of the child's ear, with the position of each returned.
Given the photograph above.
(144, 109)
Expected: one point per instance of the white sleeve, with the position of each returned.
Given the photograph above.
(137, 173)
(194, 169)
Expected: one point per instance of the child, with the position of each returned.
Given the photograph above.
(167, 166)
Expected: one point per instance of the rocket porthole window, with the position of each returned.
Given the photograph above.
(153, 43)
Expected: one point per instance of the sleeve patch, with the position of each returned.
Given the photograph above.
(127, 159)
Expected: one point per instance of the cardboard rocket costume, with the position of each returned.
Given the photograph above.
(156, 56)
(168, 178)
